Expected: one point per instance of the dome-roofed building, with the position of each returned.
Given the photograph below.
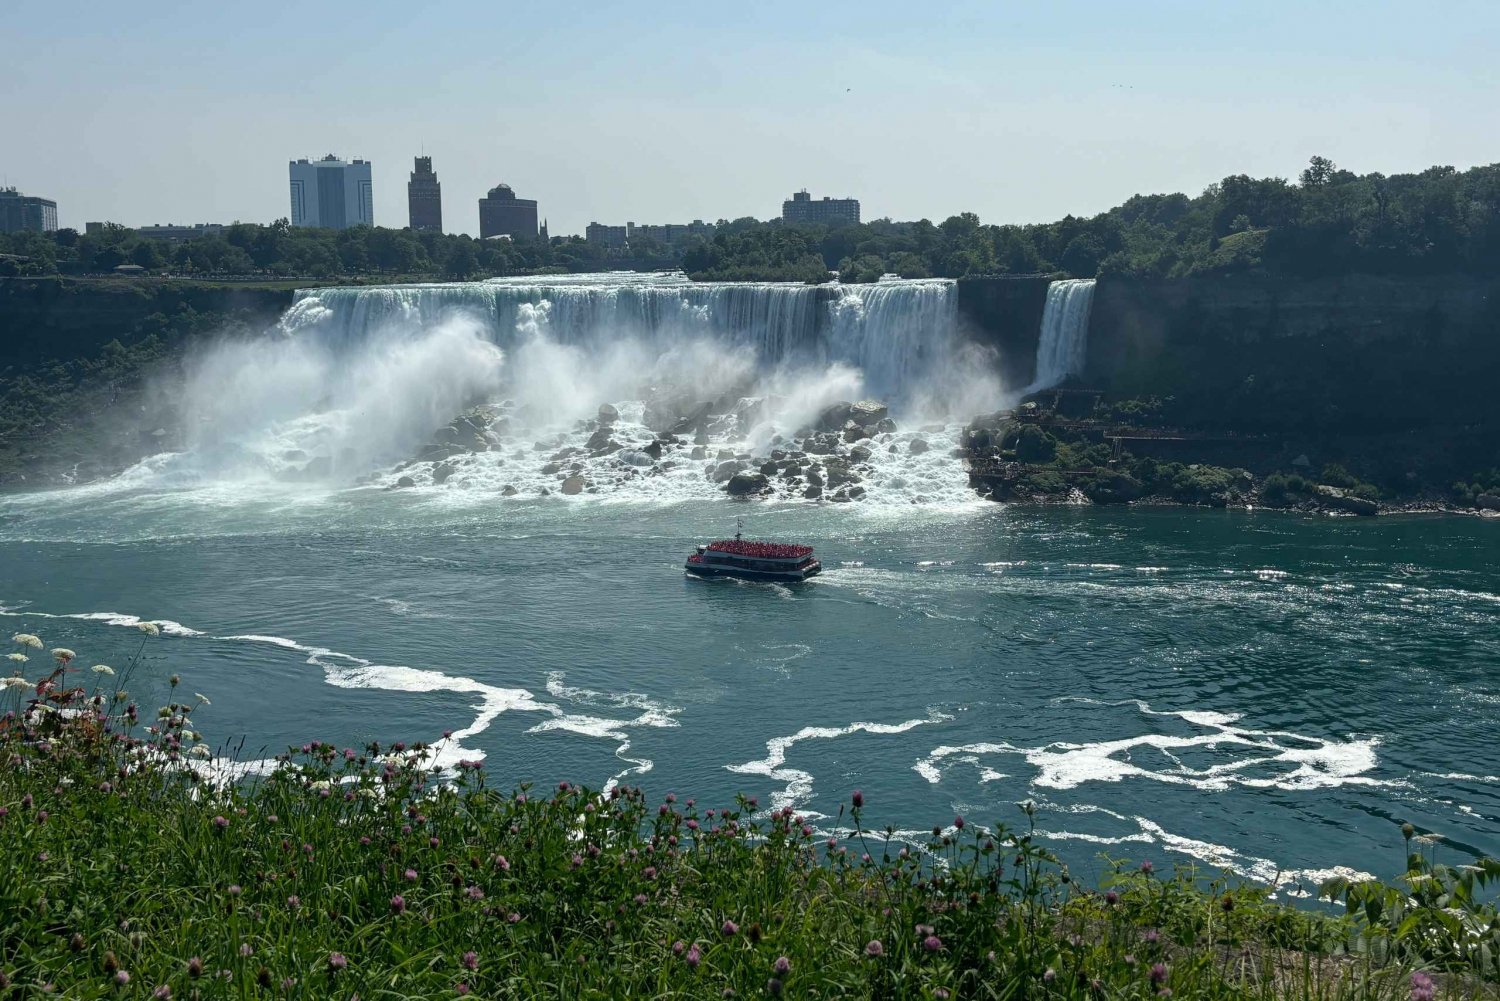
(501, 213)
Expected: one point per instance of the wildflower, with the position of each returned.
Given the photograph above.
(28, 639)
(958, 822)
(111, 964)
(337, 962)
(1159, 973)
(1050, 975)
(234, 890)
(202, 699)
(471, 960)
(195, 967)
(677, 947)
(475, 893)
(729, 928)
(1147, 867)
(874, 949)
(858, 799)
(782, 966)
(200, 751)
(19, 658)
(1111, 898)
(694, 956)
(398, 904)
(103, 669)
(163, 992)
(62, 654)
(641, 898)
(461, 988)
(221, 822)
(1421, 987)
(411, 875)
(121, 978)
(941, 992)
(149, 628)
(16, 683)
(294, 901)
(932, 943)
(1152, 936)
(245, 949)
(513, 918)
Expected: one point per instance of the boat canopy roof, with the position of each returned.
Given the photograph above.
(760, 550)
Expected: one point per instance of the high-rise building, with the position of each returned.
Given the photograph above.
(332, 194)
(19, 212)
(501, 213)
(801, 208)
(424, 197)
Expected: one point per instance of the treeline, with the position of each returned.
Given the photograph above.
(281, 249)
(1326, 222)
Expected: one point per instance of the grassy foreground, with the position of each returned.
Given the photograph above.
(125, 873)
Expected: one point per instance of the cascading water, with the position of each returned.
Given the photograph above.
(359, 378)
(1063, 345)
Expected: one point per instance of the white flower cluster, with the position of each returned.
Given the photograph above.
(28, 639)
(16, 682)
(149, 628)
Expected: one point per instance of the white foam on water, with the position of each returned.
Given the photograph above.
(344, 670)
(1316, 763)
(798, 784)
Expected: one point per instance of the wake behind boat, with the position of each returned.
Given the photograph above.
(740, 557)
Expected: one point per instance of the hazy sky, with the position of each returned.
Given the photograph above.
(152, 111)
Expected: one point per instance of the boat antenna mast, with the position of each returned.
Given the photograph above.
(739, 527)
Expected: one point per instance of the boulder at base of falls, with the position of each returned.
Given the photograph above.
(509, 491)
(885, 426)
(1487, 502)
(746, 484)
(835, 416)
(551, 468)
(573, 485)
(598, 439)
(856, 492)
(608, 414)
(813, 492)
(838, 475)
(725, 471)
(917, 446)
(768, 468)
(815, 478)
(441, 472)
(859, 454)
(854, 432)
(653, 449)
(1335, 498)
(868, 413)
(406, 481)
(699, 452)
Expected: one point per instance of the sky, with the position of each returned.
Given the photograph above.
(155, 112)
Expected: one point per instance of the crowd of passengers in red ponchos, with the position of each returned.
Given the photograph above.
(763, 550)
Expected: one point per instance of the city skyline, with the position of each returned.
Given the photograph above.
(1020, 114)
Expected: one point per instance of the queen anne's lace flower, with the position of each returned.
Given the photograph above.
(15, 683)
(19, 658)
(103, 669)
(149, 628)
(62, 654)
(28, 639)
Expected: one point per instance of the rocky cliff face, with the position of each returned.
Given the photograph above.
(1005, 314)
(1355, 353)
(44, 319)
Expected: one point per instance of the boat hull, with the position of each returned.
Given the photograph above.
(720, 570)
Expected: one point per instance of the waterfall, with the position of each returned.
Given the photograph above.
(899, 334)
(1063, 344)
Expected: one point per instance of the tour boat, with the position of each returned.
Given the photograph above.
(739, 557)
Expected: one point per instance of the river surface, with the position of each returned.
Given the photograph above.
(1266, 693)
